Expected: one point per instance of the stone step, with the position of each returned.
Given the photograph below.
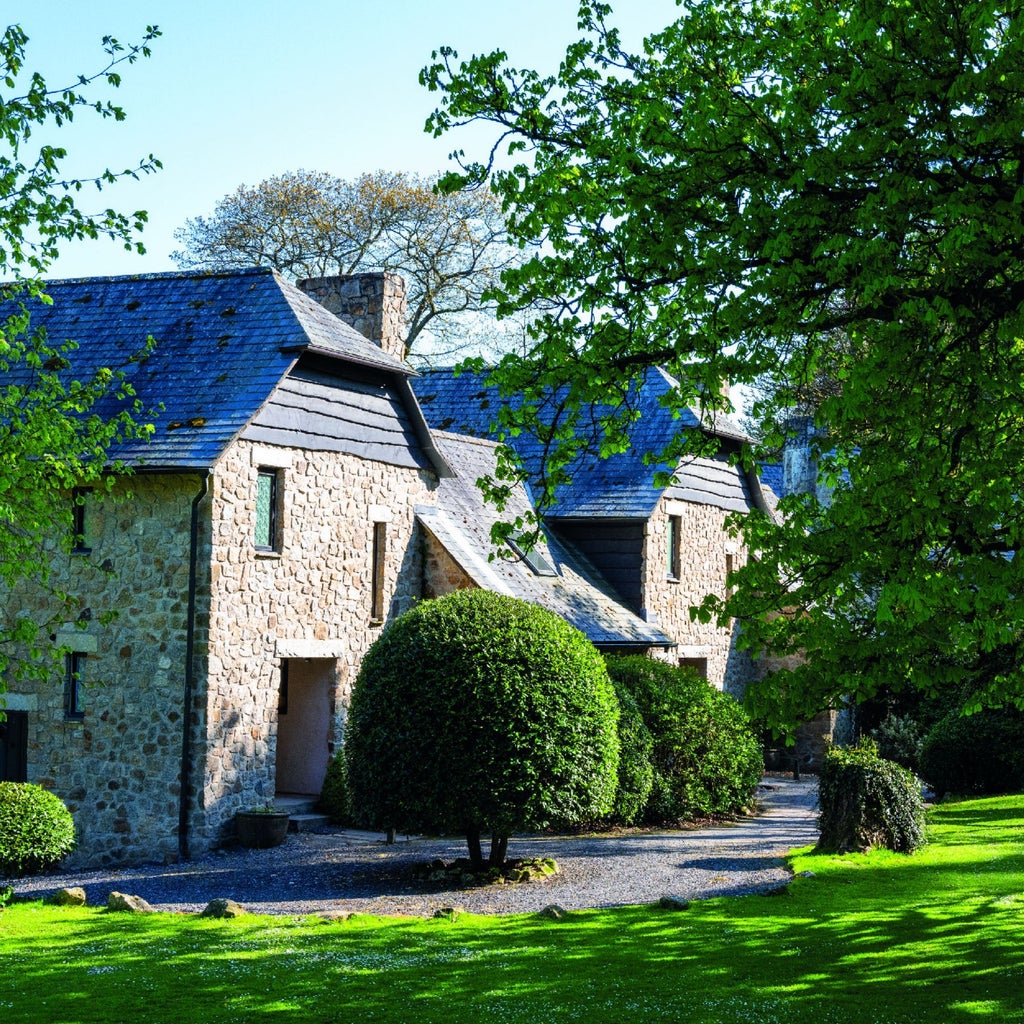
(306, 822)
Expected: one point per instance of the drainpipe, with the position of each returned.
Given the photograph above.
(185, 794)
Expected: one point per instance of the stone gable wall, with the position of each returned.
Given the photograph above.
(117, 768)
(705, 546)
(312, 599)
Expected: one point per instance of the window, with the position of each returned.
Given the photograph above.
(377, 585)
(267, 503)
(534, 558)
(673, 544)
(699, 665)
(79, 522)
(730, 565)
(74, 675)
(14, 747)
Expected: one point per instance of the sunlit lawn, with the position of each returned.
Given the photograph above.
(877, 938)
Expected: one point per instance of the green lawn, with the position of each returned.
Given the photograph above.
(874, 939)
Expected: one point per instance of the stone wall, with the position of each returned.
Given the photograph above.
(706, 552)
(309, 600)
(118, 766)
(441, 573)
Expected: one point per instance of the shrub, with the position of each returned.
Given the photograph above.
(898, 739)
(706, 758)
(866, 801)
(334, 796)
(478, 712)
(636, 773)
(36, 829)
(975, 754)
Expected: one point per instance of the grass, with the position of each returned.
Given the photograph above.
(872, 939)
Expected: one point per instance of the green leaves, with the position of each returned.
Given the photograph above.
(51, 438)
(798, 188)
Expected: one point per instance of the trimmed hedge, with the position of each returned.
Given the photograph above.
(36, 829)
(636, 773)
(476, 713)
(866, 802)
(975, 754)
(706, 758)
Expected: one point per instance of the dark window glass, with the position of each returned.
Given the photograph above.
(79, 521)
(74, 676)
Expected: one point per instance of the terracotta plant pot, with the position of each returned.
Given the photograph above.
(260, 830)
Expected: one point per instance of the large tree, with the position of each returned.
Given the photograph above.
(52, 437)
(760, 177)
(450, 247)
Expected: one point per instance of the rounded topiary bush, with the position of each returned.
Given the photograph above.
(334, 797)
(636, 773)
(36, 829)
(866, 801)
(481, 713)
(975, 754)
(707, 760)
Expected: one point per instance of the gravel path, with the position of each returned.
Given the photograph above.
(338, 872)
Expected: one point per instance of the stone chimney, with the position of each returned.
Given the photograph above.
(374, 304)
(800, 459)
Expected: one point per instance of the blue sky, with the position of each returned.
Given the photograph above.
(238, 90)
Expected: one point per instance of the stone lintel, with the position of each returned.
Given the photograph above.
(310, 648)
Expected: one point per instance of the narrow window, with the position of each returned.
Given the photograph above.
(74, 674)
(267, 501)
(673, 543)
(729, 567)
(79, 522)
(379, 547)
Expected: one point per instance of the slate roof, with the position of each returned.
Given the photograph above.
(621, 486)
(223, 342)
(461, 522)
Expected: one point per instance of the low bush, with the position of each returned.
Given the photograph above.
(36, 829)
(706, 758)
(867, 801)
(636, 773)
(334, 797)
(975, 754)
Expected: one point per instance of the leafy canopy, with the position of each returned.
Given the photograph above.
(450, 247)
(764, 178)
(51, 440)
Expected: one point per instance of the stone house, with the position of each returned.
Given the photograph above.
(265, 535)
(662, 549)
(292, 500)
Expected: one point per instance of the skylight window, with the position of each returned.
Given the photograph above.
(534, 558)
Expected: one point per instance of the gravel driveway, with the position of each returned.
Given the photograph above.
(336, 871)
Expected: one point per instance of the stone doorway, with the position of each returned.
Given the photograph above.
(305, 711)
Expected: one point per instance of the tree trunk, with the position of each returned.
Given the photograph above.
(476, 856)
(499, 847)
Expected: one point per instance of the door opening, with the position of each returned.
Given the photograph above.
(304, 725)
